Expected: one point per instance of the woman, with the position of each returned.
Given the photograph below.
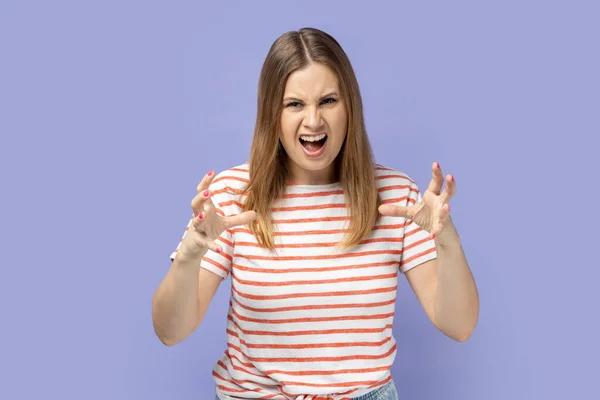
(314, 233)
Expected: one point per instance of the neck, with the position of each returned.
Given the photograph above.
(300, 176)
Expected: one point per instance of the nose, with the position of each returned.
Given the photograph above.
(313, 119)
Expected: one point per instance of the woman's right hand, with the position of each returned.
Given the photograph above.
(207, 225)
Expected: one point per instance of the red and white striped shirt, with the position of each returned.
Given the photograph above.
(311, 320)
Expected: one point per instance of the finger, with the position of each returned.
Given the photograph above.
(441, 219)
(435, 231)
(449, 190)
(240, 219)
(207, 204)
(212, 245)
(444, 213)
(437, 179)
(206, 181)
(198, 221)
(204, 241)
(200, 202)
(391, 210)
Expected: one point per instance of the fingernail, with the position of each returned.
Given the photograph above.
(201, 215)
(438, 165)
(211, 172)
(218, 250)
(206, 193)
(433, 235)
(452, 178)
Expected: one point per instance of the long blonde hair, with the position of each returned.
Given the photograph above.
(268, 160)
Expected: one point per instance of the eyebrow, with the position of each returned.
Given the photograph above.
(331, 94)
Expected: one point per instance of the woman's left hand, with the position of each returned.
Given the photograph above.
(432, 213)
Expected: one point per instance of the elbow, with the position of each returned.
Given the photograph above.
(163, 336)
(163, 327)
(170, 335)
(465, 334)
(168, 342)
(162, 332)
(459, 332)
(458, 335)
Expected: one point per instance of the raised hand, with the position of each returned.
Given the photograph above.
(207, 225)
(432, 213)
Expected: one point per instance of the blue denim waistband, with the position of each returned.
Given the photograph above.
(385, 392)
(382, 393)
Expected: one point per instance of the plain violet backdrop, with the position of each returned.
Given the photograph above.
(111, 112)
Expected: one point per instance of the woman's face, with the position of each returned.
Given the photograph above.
(313, 124)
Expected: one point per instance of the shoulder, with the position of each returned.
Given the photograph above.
(386, 176)
(230, 182)
(227, 187)
(394, 185)
(235, 178)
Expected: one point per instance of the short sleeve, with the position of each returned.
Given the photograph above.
(417, 246)
(219, 263)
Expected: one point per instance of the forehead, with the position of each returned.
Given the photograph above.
(313, 80)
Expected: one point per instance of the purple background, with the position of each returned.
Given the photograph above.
(111, 112)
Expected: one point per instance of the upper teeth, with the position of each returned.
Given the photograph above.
(313, 138)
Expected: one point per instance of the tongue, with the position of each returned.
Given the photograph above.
(313, 146)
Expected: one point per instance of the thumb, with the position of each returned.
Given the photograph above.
(240, 219)
(391, 210)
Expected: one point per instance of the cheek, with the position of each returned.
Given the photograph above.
(289, 127)
(338, 122)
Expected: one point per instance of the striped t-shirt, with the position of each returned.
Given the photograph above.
(311, 320)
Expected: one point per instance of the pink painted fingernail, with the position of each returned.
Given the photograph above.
(218, 250)
(206, 193)
(452, 178)
(201, 215)
(433, 235)
(438, 165)
(211, 172)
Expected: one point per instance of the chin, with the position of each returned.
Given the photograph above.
(316, 162)
(316, 166)
(321, 164)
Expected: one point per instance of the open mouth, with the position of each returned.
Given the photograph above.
(313, 143)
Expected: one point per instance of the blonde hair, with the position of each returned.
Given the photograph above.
(268, 160)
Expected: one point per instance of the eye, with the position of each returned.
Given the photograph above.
(293, 104)
(329, 100)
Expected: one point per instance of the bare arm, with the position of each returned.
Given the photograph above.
(444, 286)
(182, 298)
(446, 289)
(180, 302)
